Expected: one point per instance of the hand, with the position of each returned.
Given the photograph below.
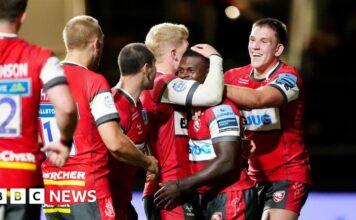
(168, 196)
(205, 49)
(248, 148)
(151, 176)
(57, 153)
(152, 168)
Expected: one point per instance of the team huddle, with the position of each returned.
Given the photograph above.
(174, 112)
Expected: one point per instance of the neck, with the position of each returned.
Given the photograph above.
(80, 57)
(165, 66)
(262, 72)
(132, 85)
(9, 27)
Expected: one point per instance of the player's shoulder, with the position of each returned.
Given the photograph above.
(288, 69)
(238, 72)
(35, 49)
(96, 77)
(164, 78)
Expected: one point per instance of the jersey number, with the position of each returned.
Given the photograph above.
(50, 130)
(9, 117)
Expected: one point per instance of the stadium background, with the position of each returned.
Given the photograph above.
(322, 36)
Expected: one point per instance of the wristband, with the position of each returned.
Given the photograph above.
(67, 143)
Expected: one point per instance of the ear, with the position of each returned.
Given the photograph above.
(23, 17)
(146, 69)
(174, 54)
(279, 50)
(96, 44)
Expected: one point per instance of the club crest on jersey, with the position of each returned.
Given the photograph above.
(216, 216)
(278, 196)
(108, 101)
(196, 125)
(179, 85)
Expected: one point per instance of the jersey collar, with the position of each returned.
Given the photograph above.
(269, 74)
(7, 35)
(71, 63)
(128, 96)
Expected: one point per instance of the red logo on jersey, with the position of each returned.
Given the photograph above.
(278, 196)
(216, 216)
(197, 125)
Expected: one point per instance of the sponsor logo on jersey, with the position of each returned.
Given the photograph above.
(279, 196)
(188, 209)
(9, 155)
(179, 85)
(261, 119)
(225, 117)
(180, 123)
(109, 209)
(264, 119)
(287, 80)
(16, 87)
(21, 161)
(203, 149)
(46, 111)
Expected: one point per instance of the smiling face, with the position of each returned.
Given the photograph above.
(193, 67)
(264, 48)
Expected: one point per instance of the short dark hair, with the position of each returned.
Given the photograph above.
(190, 53)
(11, 9)
(133, 57)
(278, 26)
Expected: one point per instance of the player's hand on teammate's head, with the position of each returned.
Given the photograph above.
(205, 49)
(57, 153)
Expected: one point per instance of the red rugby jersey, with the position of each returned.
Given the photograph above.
(87, 167)
(216, 124)
(277, 132)
(23, 70)
(167, 133)
(133, 123)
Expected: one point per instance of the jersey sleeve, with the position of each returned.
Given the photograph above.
(192, 93)
(102, 103)
(224, 124)
(52, 73)
(179, 91)
(287, 84)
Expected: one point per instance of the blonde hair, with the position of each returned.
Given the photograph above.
(165, 35)
(79, 32)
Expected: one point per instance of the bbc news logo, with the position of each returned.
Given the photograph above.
(37, 196)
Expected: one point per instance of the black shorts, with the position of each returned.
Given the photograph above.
(232, 205)
(286, 194)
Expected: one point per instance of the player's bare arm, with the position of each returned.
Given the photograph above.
(123, 149)
(226, 161)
